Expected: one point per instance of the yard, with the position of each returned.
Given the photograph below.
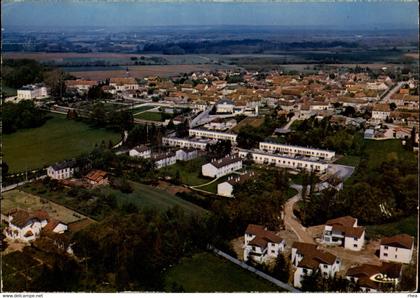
(56, 140)
(23, 200)
(205, 272)
(189, 171)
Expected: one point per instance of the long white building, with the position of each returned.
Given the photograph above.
(221, 167)
(297, 150)
(185, 143)
(217, 135)
(261, 157)
(30, 92)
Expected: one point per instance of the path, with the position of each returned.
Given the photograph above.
(387, 95)
(290, 220)
(287, 126)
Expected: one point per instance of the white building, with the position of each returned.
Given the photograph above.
(220, 124)
(164, 159)
(398, 248)
(225, 189)
(343, 231)
(124, 84)
(370, 278)
(297, 150)
(140, 151)
(62, 170)
(217, 135)
(81, 85)
(225, 106)
(186, 154)
(308, 259)
(26, 226)
(381, 112)
(261, 157)
(261, 244)
(30, 92)
(185, 143)
(221, 167)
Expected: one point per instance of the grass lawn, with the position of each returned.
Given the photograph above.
(152, 116)
(380, 151)
(24, 200)
(189, 171)
(145, 196)
(56, 140)
(205, 272)
(406, 225)
(349, 160)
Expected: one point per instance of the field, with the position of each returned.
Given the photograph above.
(189, 171)
(152, 116)
(19, 199)
(406, 225)
(205, 272)
(145, 196)
(58, 139)
(252, 121)
(349, 160)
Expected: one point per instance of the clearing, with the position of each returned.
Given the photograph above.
(205, 272)
(58, 139)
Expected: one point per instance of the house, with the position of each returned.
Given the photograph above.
(185, 143)
(97, 177)
(124, 84)
(62, 170)
(186, 154)
(371, 278)
(369, 134)
(381, 112)
(225, 106)
(29, 92)
(343, 231)
(398, 248)
(208, 134)
(221, 167)
(297, 150)
(220, 124)
(164, 159)
(261, 244)
(226, 188)
(80, 85)
(308, 259)
(140, 151)
(26, 226)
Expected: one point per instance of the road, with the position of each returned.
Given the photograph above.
(388, 95)
(290, 220)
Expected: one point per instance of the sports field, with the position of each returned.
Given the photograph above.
(56, 140)
(205, 272)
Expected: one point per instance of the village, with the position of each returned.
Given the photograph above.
(213, 134)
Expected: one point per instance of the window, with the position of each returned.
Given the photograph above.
(325, 266)
(273, 251)
(385, 254)
(355, 239)
(385, 247)
(354, 245)
(396, 256)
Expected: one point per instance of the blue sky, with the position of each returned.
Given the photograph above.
(392, 14)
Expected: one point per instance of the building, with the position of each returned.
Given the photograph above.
(140, 151)
(261, 157)
(30, 92)
(308, 259)
(217, 135)
(62, 170)
(185, 143)
(343, 231)
(398, 248)
(261, 244)
(80, 85)
(124, 84)
(225, 106)
(371, 278)
(297, 150)
(186, 154)
(97, 177)
(220, 124)
(226, 188)
(164, 159)
(221, 167)
(26, 226)
(381, 112)
(369, 134)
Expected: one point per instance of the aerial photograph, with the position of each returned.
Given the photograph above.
(194, 146)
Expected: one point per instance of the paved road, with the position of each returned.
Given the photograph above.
(290, 220)
(387, 97)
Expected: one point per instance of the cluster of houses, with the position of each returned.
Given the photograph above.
(262, 245)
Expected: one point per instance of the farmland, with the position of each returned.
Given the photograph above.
(205, 272)
(56, 140)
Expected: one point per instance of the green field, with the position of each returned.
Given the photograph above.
(145, 196)
(380, 151)
(205, 272)
(349, 160)
(56, 140)
(152, 116)
(406, 225)
(189, 171)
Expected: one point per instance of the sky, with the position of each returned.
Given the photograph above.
(356, 14)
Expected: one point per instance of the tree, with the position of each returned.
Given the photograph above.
(392, 106)
(54, 79)
(4, 169)
(281, 269)
(98, 115)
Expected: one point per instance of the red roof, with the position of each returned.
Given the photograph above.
(402, 241)
(262, 236)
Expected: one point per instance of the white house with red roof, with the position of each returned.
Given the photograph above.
(261, 244)
(398, 248)
(344, 231)
(221, 167)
